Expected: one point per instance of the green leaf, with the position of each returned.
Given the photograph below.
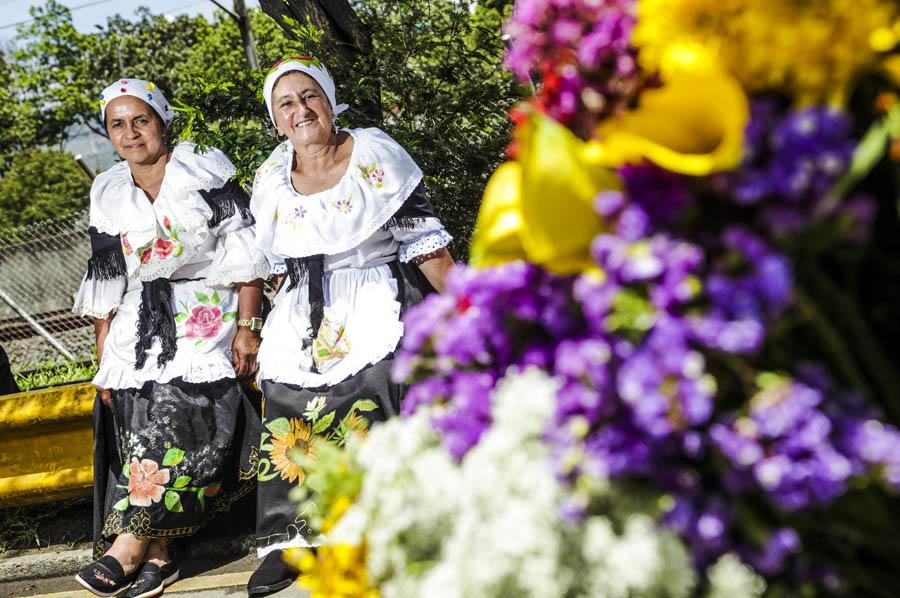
(867, 153)
(173, 502)
(126, 470)
(216, 300)
(229, 316)
(199, 342)
(181, 317)
(201, 498)
(322, 425)
(172, 457)
(267, 447)
(182, 481)
(121, 505)
(365, 405)
(204, 299)
(282, 425)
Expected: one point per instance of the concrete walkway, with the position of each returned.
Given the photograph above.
(201, 580)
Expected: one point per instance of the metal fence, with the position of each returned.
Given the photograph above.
(41, 266)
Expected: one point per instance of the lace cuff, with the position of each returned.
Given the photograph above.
(99, 297)
(423, 244)
(237, 259)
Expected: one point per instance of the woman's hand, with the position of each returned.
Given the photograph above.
(243, 352)
(101, 330)
(105, 396)
(246, 342)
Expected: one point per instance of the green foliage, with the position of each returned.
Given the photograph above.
(41, 185)
(436, 71)
(52, 374)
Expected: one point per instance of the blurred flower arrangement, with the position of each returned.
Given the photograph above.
(671, 367)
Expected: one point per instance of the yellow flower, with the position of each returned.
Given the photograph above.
(811, 50)
(333, 571)
(539, 207)
(694, 124)
(292, 449)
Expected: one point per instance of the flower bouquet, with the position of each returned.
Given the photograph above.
(670, 369)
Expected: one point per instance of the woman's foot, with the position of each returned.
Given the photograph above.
(105, 577)
(152, 579)
(272, 575)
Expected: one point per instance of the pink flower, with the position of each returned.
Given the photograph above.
(166, 222)
(146, 254)
(377, 175)
(126, 246)
(204, 322)
(163, 248)
(145, 486)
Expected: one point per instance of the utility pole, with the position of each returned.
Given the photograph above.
(239, 14)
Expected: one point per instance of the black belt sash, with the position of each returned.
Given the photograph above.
(155, 320)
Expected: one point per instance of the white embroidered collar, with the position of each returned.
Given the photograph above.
(161, 236)
(380, 177)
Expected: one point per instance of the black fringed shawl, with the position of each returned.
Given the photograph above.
(227, 200)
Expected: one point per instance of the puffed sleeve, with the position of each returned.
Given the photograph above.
(236, 258)
(106, 279)
(416, 227)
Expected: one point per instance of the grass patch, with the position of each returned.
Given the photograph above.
(63, 523)
(54, 374)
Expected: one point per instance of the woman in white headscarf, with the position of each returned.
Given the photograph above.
(174, 288)
(343, 215)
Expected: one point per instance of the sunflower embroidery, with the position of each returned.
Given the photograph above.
(291, 449)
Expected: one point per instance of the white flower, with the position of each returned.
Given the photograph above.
(642, 561)
(730, 578)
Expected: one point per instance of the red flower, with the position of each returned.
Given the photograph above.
(145, 484)
(204, 323)
(146, 254)
(166, 222)
(163, 248)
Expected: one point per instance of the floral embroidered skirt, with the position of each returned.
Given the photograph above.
(168, 457)
(294, 421)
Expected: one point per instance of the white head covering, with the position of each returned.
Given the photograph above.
(303, 64)
(145, 90)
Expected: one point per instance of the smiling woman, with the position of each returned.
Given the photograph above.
(343, 215)
(174, 288)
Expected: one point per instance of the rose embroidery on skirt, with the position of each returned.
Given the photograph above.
(146, 482)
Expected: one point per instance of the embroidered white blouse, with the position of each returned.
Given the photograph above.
(358, 226)
(198, 233)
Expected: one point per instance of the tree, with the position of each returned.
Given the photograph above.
(41, 185)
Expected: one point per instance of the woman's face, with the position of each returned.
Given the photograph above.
(302, 112)
(135, 130)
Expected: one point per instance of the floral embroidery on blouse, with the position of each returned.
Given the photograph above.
(372, 174)
(344, 206)
(296, 217)
(204, 321)
(330, 344)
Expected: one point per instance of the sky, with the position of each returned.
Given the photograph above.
(88, 13)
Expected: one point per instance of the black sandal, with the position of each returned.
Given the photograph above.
(105, 577)
(153, 579)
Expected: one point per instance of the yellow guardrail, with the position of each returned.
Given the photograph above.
(46, 444)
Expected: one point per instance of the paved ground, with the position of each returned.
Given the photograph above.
(224, 579)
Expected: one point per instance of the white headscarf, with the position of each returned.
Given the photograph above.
(303, 64)
(144, 90)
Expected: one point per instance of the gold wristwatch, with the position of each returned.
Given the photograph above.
(254, 324)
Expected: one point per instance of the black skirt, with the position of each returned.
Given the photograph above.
(288, 436)
(169, 457)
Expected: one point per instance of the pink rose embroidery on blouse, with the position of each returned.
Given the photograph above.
(163, 248)
(145, 484)
(146, 254)
(204, 322)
